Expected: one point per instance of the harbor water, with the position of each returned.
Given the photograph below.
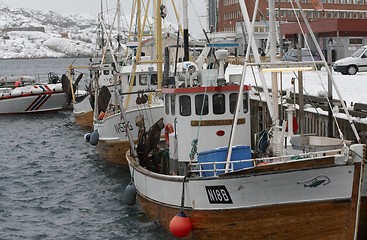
(52, 185)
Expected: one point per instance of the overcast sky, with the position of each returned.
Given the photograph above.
(94, 6)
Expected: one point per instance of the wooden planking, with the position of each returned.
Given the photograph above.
(202, 123)
(85, 120)
(353, 207)
(362, 229)
(113, 151)
(303, 221)
(285, 166)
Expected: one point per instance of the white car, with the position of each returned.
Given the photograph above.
(351, 65)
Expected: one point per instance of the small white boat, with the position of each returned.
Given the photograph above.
(32, 98)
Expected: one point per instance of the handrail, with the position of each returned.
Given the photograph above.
(218, 167)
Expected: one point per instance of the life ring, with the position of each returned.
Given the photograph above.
(168, 130)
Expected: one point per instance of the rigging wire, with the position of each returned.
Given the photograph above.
(197, 16)
(318, 74)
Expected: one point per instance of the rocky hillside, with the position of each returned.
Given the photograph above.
(64, 35)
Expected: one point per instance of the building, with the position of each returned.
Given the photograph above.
(335, 15)
(229, 11)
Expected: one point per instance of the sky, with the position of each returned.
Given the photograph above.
(94, 6)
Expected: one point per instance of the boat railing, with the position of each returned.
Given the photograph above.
(216, 168)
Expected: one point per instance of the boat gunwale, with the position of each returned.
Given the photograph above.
(295, 165)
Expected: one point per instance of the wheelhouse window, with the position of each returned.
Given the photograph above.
(185, 105)
(166, 104)
(106, 72)
(233, 101)
(219, 103)
(245, 102)
(143, 79)
(201, 104)
(128, 79)
(154, 79)
(173, 104)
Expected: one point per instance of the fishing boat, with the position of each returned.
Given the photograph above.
(206, 180)
(102, 71)
(138, 98)
(83, 100)
(31, 98)
(143, 102)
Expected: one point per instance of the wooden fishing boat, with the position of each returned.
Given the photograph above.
(138, 97)
(113, 141)
(207, 181)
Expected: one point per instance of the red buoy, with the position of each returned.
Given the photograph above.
(180, 225)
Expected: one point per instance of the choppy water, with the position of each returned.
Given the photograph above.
(52, 186)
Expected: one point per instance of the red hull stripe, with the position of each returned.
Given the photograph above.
(42, 102)
(38, 102)
(35, 100)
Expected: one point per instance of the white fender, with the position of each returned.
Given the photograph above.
(16, 92)
(36, 90)
(57, 87)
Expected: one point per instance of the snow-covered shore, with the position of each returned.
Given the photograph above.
(352, 88)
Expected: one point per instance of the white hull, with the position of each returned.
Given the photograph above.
(112, 128)
(248, 191)
(31, 99)
(82, 107)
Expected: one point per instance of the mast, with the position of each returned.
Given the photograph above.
(102, 35)
(158, 42)
(118, 11)
(186, 31)
(273, 57)
(256, 54)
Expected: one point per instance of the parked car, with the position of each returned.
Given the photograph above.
(307, 56)
(353, 64)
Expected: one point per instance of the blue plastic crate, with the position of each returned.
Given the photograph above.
(220, 154)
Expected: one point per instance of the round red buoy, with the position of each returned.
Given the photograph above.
(180, 225)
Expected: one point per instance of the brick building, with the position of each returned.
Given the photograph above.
(330, 22)
(229, 11)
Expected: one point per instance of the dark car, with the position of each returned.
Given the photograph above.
(307, 56)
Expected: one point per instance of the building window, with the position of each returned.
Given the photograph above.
(356, 41)
(309, 13)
